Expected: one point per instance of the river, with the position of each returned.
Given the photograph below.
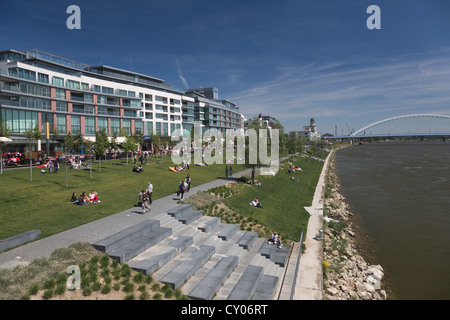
(399, 193)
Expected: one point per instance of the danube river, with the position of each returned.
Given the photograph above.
(399, 193)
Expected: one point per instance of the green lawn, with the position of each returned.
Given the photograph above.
(43, 203)
(282, 200)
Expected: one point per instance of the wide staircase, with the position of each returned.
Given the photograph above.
(205, 258)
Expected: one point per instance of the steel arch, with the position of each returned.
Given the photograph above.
(354, 134)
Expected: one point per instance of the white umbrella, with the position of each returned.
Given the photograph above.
(4, 139)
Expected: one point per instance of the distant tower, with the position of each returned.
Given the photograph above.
(312, 124)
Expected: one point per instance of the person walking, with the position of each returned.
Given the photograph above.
(188, 180)
(149, 192)
(181, 190)
(226, 171)
(143, 198)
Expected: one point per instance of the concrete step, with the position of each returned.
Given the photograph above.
(125, 236)
(215, 278)
(247, 240)
(186, 266)
(247, 284)
(277, 255)
(225, 231)
(179, 210)
(157, 256)
(139, 245)
(206, 223)
(266, 288)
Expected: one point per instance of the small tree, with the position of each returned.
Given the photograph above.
(32, 135)
(113, 145)
(101, 144)
(129, 145)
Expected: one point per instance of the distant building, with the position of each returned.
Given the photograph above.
(310, 132)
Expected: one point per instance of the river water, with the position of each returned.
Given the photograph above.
(399, 193)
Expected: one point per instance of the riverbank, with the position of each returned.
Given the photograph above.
(346, 274)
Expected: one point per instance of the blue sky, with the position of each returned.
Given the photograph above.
(289, 59)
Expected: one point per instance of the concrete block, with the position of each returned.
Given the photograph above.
(125, 236)
(211, 283)
(246, 286)
(247, 240)
(19, 239)
(265, 290)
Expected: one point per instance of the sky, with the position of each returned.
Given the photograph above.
(290, 59)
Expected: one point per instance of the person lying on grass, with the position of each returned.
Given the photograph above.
(256, 203)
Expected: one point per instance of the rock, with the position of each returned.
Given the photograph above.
(332, 291)
(369, 287)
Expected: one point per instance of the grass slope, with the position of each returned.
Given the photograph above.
(282, 200)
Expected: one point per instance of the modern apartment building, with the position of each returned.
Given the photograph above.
(212, 113)
(38, 88)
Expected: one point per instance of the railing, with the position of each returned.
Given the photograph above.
(297, 266)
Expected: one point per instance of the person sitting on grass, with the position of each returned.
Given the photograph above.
(256, 203)
(93, 197)
(83, 199)
(74, 199)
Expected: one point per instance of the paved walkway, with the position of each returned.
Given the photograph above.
(309, 282)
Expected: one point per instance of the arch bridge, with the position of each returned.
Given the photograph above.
(407, 126)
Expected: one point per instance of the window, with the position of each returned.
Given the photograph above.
(121, 92)
(43, 78)
(161, 99)
(96, 88)
(138, 126)
(60, 94)
(115, 126)
(46, 117)
(61, 106)
(58, 81)
(175, 110)
(22, 73)
(161, 116)
(61, 123)
(148, 97)
(126, 123)
(19, 120)
(102, 123)
(149, 128)
(132, 94)
(73, 84)
(107, 90)
(158, 127)
(75, 124)
(165, 129)
(89, 125)
(84, 86)
(102, 110)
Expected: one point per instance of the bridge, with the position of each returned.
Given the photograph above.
(406, 126)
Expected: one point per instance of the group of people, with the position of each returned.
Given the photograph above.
(145, 197)
(256, 203)
(184, 186)
(53, 165)
(275, 240)
(138, 169)
(84, 199)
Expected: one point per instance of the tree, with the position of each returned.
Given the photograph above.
(252, 145)
(32, 135)
(113, 145)
(101, 144)
(5, 133)
(129, 145)
(68, 142)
